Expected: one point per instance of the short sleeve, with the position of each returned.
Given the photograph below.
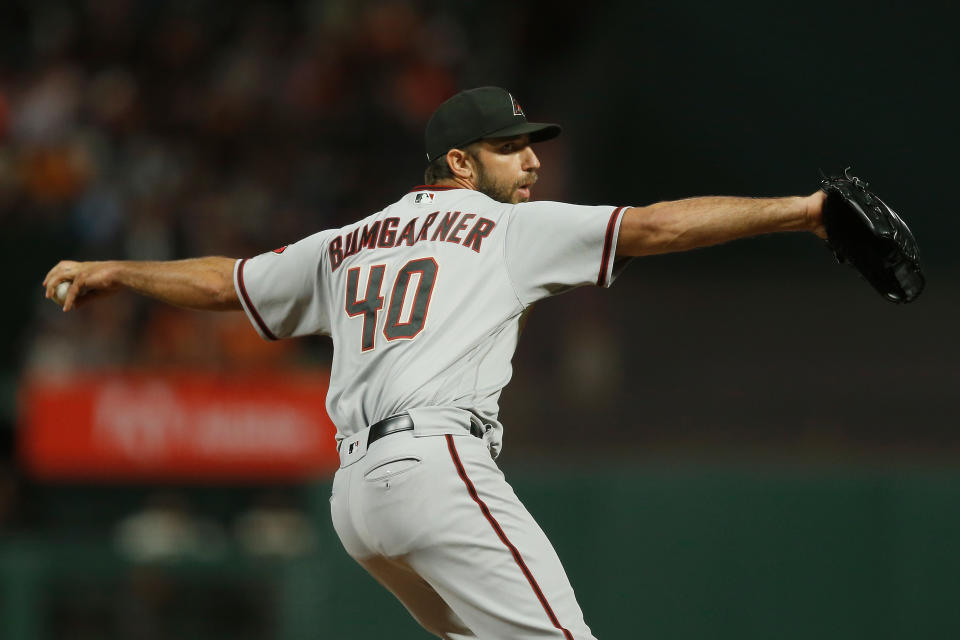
(551, 247)
(281, 291)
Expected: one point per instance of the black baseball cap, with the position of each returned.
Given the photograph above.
(475, 114)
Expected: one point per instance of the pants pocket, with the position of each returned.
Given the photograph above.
(391, 468)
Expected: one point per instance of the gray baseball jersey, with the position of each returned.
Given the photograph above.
(423, 302)
(423, 298)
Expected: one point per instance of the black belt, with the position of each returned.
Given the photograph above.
(393, 424)
(398, 423)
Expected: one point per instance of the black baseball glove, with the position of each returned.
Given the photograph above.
(867, 234)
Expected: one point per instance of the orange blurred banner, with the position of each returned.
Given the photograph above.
(177, 426)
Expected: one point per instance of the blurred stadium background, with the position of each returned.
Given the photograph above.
(740, 442)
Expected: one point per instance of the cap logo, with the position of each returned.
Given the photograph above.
(517, 110)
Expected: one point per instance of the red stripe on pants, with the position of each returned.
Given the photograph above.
(503, 538)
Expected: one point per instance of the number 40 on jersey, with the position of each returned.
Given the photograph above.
(371, 304)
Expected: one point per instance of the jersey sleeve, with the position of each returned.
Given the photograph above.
(551, 247)
(281, 291)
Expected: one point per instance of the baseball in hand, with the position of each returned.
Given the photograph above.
(60, 295)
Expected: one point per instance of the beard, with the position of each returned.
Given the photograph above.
(501, 191)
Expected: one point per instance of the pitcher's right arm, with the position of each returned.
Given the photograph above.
(197, 283)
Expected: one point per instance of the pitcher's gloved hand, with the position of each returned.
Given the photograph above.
(867, 234)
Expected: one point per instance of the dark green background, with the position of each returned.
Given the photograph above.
(654, 551)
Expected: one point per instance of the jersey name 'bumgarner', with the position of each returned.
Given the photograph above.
(385, 236)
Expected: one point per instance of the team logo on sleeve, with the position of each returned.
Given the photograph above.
(424, 198)
(281, 249)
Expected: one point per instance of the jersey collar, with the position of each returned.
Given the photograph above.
(432, 187)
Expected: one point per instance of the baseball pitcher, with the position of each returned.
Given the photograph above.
(423, 301)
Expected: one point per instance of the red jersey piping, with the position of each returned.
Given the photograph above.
(608, 246)
(253, 310)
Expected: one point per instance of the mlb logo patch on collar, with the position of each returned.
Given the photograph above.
(424, 197)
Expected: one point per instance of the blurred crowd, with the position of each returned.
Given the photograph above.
(159, 130)
(154, 130)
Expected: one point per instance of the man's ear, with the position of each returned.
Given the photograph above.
(461, 164)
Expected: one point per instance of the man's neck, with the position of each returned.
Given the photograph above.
(457, 182)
